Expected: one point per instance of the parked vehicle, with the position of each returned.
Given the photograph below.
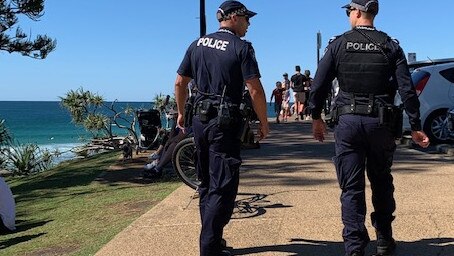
(435, 87)
(424, 63)
(450, 122)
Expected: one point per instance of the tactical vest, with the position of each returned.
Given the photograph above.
(363, 68)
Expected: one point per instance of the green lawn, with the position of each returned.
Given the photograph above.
(72, 210)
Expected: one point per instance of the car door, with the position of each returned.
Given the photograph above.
(448, 74)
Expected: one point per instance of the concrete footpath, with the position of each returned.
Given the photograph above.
(288, 204)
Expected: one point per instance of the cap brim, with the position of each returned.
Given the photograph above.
(250, 14)
(346, 6)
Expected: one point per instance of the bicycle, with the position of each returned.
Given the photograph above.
(184, 160)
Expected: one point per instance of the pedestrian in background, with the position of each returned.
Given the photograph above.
(221, 64)
(297, 85)
(286, 103)
(370, 67)
(307, 90)
(277, 95)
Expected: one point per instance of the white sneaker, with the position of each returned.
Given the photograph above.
(153, 156)
(151, 165)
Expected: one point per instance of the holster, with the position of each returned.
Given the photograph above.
(189, 111)
(332, 118)
(224, 117)
(392, 117)
(206, 110)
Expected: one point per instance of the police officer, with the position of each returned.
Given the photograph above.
(221, 64)
(370, 67)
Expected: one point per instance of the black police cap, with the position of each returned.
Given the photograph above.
(370, 6)
(233, 7)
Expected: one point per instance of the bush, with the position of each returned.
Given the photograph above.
(26, 159)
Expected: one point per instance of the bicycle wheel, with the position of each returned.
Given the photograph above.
(184, 161)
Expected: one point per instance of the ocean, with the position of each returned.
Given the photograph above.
(49, 125)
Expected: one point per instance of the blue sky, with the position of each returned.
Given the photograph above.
(130, 50)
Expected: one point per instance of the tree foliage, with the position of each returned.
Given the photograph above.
(84, 107)
(90, 111)
(26, 159)
(22, 159)
(5, 139)
(18, 41)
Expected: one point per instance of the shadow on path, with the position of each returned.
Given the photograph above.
(249, 205)
(304, 247)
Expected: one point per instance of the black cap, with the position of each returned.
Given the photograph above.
(285, 74)
(370, 6)
(233, 7)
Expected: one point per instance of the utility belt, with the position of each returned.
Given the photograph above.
(227, 114)
(388, 114)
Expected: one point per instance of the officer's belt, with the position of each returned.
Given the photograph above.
(357, 109)
(214, 107)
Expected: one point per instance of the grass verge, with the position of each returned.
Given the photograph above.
(77, 207)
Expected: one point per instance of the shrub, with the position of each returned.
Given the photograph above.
(25, 159)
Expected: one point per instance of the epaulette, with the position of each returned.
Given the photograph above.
(395, 40)
(332, 39)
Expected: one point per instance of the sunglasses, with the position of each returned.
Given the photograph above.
(348, 11)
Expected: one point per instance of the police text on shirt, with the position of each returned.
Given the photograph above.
(367, 47)
(213, 43)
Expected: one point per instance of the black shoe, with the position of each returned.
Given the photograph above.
(225, 253)
(356, 254)
(386, 247)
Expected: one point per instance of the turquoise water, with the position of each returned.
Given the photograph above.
(49, 125)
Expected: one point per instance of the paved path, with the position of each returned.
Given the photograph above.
(288, 204)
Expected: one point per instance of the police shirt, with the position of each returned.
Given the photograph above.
(393, 71)
(217, 60)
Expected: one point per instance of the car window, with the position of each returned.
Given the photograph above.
(448, 74)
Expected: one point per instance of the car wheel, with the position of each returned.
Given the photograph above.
(436, 127)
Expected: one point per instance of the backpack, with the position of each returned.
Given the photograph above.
(298, 82)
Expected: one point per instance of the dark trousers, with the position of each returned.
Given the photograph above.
(218, 164)
(277, 108)
(362, 144)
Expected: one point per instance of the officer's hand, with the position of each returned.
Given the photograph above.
(319, 129)
(420, 138)
(263, 130)
(180, 122)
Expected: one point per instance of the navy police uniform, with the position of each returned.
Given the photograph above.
(219, 63)
(370, 67)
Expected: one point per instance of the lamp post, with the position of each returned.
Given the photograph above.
(203, 25)
(319, 45)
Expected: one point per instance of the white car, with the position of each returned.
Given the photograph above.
(435, 87)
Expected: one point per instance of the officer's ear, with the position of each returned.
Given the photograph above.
(358, 13)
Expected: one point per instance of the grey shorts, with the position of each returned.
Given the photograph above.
(300, 97)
